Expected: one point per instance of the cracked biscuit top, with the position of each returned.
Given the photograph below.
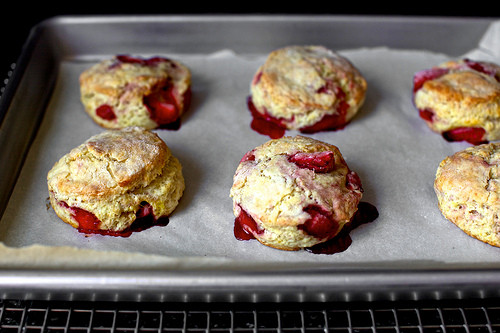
(467, 186)
(307, 88)
(113, 178)
(294, 192)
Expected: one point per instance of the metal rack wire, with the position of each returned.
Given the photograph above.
(454, 316)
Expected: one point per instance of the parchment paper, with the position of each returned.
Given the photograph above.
(387, 144)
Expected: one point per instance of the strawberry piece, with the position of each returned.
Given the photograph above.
(366, 213)
(249, 156)
(256, 78)
(473, 135)
(334, 121)
(353, 182)
(88, 223)
(427, 115)
(483, 67)
(240, 233)
(162, 105)
(330, 88)
(144, 210)
(127, 59)
(85, 219)
(329, 122)
(245, 226)
(106, 112)
(124, 58)
(265, 124)
(321, 224)
(421, 77)
(320, 162)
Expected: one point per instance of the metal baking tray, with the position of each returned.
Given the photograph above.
(31, 87)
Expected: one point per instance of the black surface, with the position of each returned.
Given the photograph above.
(18, 17)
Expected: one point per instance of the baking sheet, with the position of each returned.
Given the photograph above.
(387, 144)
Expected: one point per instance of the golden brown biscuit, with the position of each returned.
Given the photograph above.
(460, 100)
(129, 91)
(294, 192)
(114, 179)
(467, 186)
(306, 88)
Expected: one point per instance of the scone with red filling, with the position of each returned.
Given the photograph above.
(467, 186)
(460, 100)
(292, 193)
(130, 91)
(114, 179)
(306, 88)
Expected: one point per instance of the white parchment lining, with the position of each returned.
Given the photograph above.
(390, 147)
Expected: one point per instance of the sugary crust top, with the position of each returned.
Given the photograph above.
(110, 163)
(122, 85)
(303, 83)
(467, 186)
(464, 97)
(112, 175)
(275, 191)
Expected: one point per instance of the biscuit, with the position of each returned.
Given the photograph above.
(467, 186)
(305, 88)
(292, 193)
(129, 91)
(115, 178)
(460, 100)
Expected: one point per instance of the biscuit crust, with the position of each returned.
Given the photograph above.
(126, 91)
(112, 175)
(285, 187)
(467, 186)
(461, 95)
(301, 85)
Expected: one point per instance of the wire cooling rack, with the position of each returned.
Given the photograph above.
(456, 316)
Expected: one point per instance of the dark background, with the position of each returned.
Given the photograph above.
(17, 17)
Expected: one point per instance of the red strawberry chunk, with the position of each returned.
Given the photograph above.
(88, 223)
(144, 210)
(162, 105)
(483, 67)
(427, 115)
(334, 121)
(85, 219)
(353, 182)
(249, 156)
(428, 74)
(329, 122)
(265, 124)
(321, 162)
(127, 59)
(328, 88)
(473, 135)
(245, 226)
(256, 78)
(106, 112)
(321, 224)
